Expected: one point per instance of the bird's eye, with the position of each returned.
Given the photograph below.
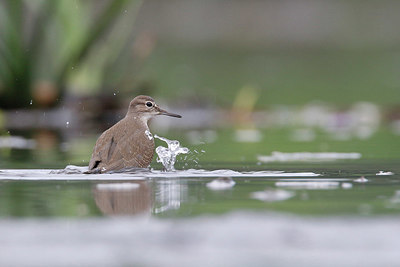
(149, 104)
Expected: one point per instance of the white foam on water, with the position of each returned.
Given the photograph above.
(77, 173)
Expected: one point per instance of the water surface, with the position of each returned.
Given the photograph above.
(301, 214)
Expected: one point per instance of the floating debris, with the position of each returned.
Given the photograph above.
(384, 173)
(307, 156)
(362, 179)
(272, 195)
(221, 183)
(308, 185)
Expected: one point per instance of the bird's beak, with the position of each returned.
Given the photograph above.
(166, 113)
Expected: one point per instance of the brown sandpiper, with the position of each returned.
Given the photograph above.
(129, 143)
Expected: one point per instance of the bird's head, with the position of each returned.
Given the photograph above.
(145, 108)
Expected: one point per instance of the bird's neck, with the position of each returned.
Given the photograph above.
(141, 120)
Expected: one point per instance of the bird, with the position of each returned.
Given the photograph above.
(128, 143)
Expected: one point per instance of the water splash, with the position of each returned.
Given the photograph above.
(167, 156)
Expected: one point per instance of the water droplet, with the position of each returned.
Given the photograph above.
(72, 67)
(67, 123)
(30, 103)
(114, 94)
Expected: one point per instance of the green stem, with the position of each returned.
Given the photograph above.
(98, 28)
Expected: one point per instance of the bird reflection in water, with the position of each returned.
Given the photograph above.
(123, 198)
(140, 197)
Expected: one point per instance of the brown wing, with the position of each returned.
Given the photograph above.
(120, 147)
(102, 150)
(133, 149)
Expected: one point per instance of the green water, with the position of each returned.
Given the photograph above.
(160, 219)
(189, 197)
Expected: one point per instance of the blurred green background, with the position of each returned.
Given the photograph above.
(249, 77)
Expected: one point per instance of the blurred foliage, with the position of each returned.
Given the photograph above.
(289, 76)
(48, 46)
